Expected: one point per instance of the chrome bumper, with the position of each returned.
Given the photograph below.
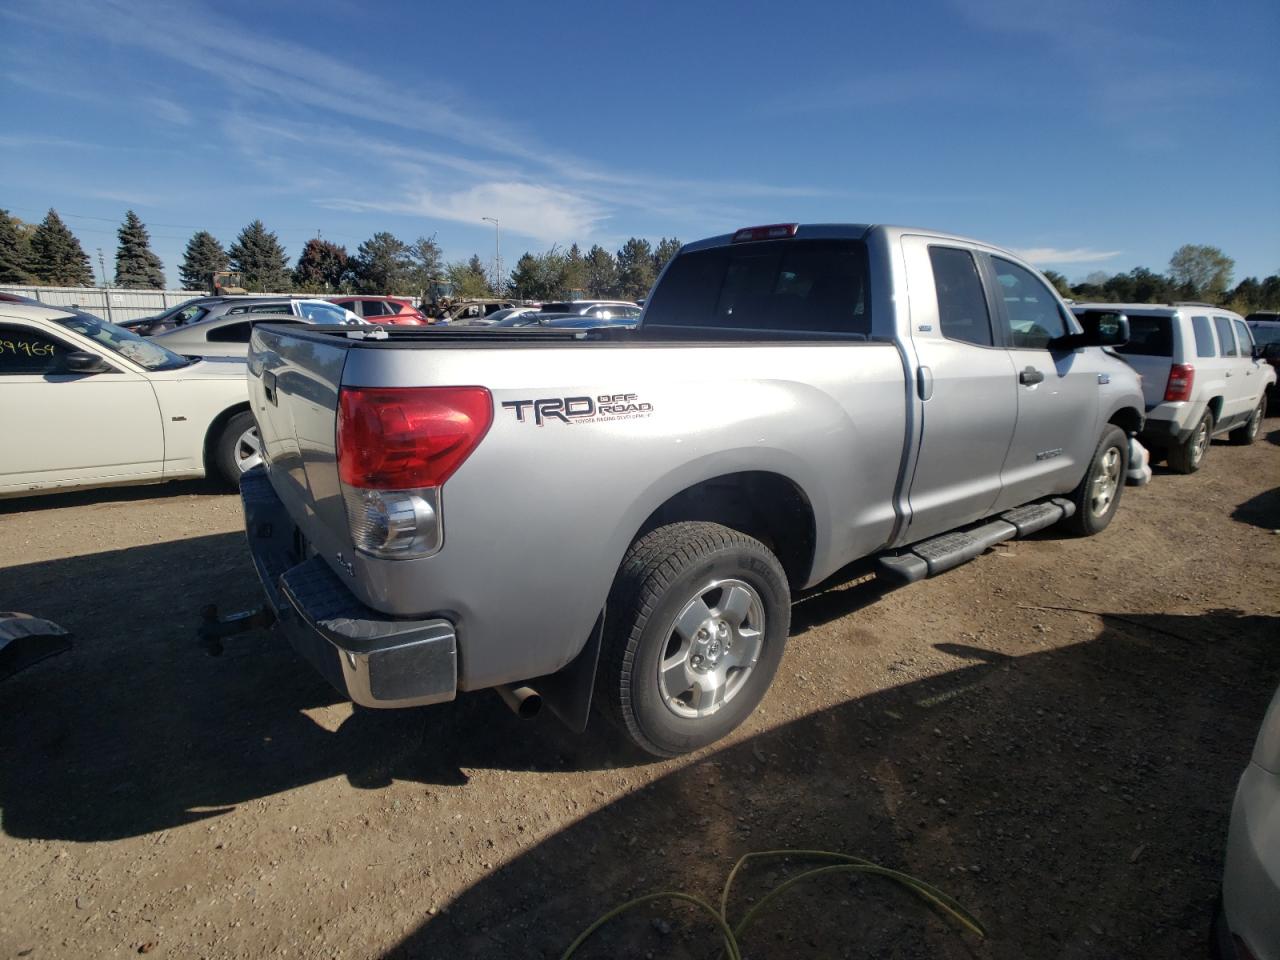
(373, 660)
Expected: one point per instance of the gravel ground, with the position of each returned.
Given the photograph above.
(1051, 733)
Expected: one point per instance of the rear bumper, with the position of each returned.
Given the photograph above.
(372, 659)
(1170, 424)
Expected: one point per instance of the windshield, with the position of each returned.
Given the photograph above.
(145, 353)
(1267, 334)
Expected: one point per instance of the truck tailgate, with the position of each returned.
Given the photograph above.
(293, 392)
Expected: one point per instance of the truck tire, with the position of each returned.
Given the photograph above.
(1098, 495)
(695, 628)
(1188, 457)
(1245, 435)
(237, 448)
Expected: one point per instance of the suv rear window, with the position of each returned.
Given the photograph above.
(1225, 337)
(1204, 337)
(787, 286)
(1149, 336)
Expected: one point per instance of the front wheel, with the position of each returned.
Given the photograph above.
(1245, 435)
(238, 448)
(695, 628)
(1098, 495)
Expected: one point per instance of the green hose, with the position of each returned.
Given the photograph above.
(844, 863)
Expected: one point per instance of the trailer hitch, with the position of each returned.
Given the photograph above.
(214, 629)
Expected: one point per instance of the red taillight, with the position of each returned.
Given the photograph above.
(403, 438)
(1182, 376)
(772, 231)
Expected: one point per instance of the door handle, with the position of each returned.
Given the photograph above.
(1228, 373)
(1030, 376)
(924, 382)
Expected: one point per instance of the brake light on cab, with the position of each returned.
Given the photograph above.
(772, 231)
(396, 448)
(1182, 377)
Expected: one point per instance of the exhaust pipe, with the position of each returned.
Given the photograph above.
(525, 702)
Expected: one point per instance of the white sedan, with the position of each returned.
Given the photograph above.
(84, 403)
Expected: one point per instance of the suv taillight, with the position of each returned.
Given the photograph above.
(1182, 377)
(396, 448)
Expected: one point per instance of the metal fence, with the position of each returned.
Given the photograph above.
(110, 303)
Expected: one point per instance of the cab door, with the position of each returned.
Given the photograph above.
(966, 389)
(1057, 390)
(71, 429)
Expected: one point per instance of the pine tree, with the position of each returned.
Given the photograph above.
(137, 267)
(635, 268)
(15, 250)
(204, 257)
(323, 267)
(601, 273)
(383, 265)
(260, 259)
(575, 270)
(58, 260)
(469, 279)
(662, 254)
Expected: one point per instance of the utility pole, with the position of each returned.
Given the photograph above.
(497, 255)
(106, 295)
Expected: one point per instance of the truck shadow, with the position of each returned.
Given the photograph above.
(1076, 800)
(1260, 511)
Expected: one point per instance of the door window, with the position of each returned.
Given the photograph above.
(1032, 315)
(1243, 338)
(323, 312)
(1204, 337)
(1225, 337)
(962, 306)
(373, 308)
(24, 352)
(231, 333)
(271, 308)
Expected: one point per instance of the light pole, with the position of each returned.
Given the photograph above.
(497, 255)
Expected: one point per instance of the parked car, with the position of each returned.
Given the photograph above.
(1200, 377)
(603, 309)
(1247, 924)
(318, 311)
(783, 409)
(468, 311)
(188, 311)
(84, 403)
(590, 322)
(527, 318)
(498, 316)
(228, 335)
(1265, 328)
(386, 310)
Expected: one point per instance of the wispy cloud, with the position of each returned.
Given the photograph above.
(1051, 256)
(168, 110)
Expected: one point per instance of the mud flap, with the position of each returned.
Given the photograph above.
(567, 692)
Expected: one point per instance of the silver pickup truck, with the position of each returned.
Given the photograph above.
(625, 515)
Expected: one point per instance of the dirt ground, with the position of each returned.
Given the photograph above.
(1051, 733)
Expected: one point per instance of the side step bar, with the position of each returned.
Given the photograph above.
(931, 557)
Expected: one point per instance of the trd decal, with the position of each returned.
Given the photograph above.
(606, 406)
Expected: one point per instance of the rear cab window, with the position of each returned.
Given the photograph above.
(962, 304)
(783, 286)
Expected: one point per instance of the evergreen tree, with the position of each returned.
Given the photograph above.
(137, 267)
(383, 265)
(203, 258)
(635, 268)
(428, 263)
(323, 267)
(260, 259)
(469, 279)
(601, 272)
(58, 260)
(540, 276)
(15, 250)
(575, 270)
(662, 254)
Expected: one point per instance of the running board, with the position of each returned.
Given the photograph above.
(931, 557)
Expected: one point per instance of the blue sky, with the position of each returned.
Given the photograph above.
(1087, 135)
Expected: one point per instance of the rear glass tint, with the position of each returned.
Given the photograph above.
(1225, 336)
(1204, 337)
(1149, 336)
(787, 286)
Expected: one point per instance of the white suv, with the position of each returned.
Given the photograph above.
(1200, 377)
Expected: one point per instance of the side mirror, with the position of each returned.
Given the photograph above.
(82, 361)
(1102, 328)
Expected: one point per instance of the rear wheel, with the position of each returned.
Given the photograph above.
(1098, 495)
(238, 448)
(1188, 456)
(695, 628)
(1245, 435)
